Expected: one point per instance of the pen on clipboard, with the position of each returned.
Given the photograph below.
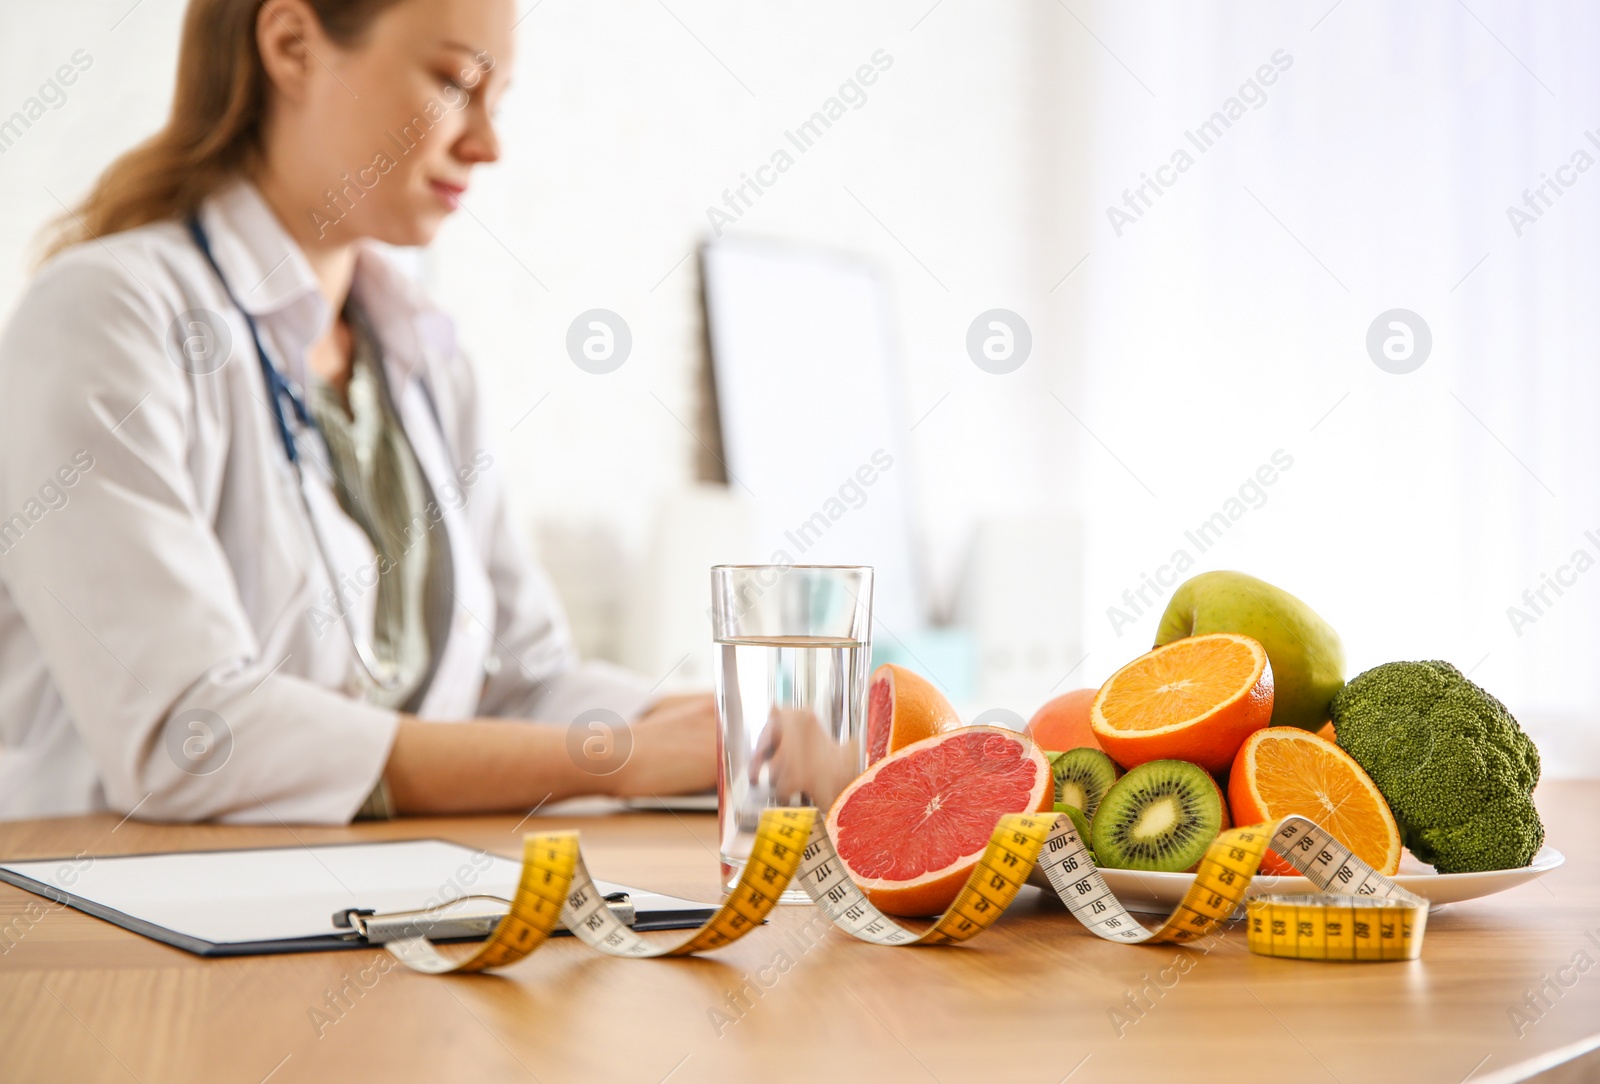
(437, 925)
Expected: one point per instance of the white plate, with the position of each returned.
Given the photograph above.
(1159, 893)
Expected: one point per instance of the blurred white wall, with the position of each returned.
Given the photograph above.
(1230, 321)
(629, 121)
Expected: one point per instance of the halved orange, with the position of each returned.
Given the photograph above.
(1194, 699)
(1284, 770)
(903, 707)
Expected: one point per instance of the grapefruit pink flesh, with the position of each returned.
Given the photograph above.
(880, 718)
(913, 826)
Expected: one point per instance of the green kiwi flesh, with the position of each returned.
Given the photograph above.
(1080, 822)
(1082, 777)
(1161, 816)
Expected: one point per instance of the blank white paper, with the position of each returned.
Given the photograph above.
(290, 892)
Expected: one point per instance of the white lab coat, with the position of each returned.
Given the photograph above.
(157, 574)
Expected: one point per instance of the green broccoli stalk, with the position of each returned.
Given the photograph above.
(1456, 769)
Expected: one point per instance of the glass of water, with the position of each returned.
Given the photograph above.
(792, 643)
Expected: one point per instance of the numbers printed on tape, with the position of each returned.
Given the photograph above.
(1363, 915)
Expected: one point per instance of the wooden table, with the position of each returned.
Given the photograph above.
(1031, 1000)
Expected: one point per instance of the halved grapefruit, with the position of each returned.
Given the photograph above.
(903, 707)
(913, 826)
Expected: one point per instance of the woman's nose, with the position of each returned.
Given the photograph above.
(480, 142)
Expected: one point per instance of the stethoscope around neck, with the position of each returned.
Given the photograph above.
(279, 390)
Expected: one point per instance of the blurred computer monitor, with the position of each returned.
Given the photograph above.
(809, 407)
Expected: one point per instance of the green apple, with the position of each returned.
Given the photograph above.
(1306, 655)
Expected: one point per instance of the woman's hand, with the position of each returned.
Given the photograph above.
(803, 763)
(674, 749)
(496, 764)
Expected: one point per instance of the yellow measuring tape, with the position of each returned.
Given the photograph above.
(1363, 915)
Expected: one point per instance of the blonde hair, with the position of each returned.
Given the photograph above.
(214, 130)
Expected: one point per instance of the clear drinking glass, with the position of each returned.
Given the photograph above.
(792, 647)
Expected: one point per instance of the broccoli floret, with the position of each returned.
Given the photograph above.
(1456, 769)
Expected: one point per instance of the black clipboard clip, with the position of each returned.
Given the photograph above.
(449, 921)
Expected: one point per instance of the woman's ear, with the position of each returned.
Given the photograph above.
(289, 37)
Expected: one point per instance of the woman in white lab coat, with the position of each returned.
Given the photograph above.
(255, 559)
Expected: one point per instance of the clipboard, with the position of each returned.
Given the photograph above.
(702, 802)
(271, 900)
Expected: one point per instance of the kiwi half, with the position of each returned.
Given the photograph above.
(1160, 816)
(1082, 778)
(1081, 823)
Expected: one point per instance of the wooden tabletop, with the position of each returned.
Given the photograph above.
(1031, 1000)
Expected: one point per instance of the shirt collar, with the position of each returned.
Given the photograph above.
(272, 281)
(411, 329)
